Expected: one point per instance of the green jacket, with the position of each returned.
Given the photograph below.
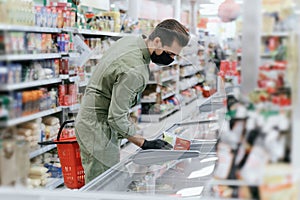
(122, 74)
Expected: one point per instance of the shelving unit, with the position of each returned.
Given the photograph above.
(148, 100)
(24, 85)
(21, 57)
(54, 183)
(164, 86)
(103, 33)
(13, 122)
(74, 107)
(190, 74)
(41, 150)
(168, 78)
(7, 27)
(63, 110)
(188, 86)
(158, 117)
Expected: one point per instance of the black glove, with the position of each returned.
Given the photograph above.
(156, 144)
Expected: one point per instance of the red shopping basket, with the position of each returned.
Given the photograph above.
(69, 156)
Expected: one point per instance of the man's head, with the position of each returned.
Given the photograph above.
(166, 41)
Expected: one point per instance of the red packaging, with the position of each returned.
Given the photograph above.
(62, 89)
(61, 69)
(72, 89)
(67, 101)
(182, 144)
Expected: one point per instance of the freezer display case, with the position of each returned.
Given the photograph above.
(182, 171)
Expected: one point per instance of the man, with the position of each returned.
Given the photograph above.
(122, 74)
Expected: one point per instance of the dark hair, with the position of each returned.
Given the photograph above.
(169, 30)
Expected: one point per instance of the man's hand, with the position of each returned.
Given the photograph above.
(156, 144)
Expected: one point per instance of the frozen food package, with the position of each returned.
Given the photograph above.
(178, 143)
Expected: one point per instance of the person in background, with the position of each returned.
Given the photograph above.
(219, 55)
(215, 54)
(113, 89)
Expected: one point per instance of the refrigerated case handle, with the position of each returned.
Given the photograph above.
(197, 122)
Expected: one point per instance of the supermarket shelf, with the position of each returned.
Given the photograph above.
(189, 101)
(18, 57)
(158, 117)
(7, 27)
(67, 76)
(148, 100)
(135, 108)
(168, 95)
(83, 83)
(154, 100)
(12, 122)
(189, 74)
(189, 86)
(42, 150)
(95, 32)
(54, 183)
(168, 78)
(18, 86)
(72, 54)
(71, 107)
(277, 34)
(68, 30)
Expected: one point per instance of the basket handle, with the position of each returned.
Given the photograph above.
(62, 127)
(58, 135)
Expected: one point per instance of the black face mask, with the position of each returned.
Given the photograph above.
(162, 59)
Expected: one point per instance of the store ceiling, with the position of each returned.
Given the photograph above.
(206, 6)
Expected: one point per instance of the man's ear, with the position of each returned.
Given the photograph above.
(157, 43)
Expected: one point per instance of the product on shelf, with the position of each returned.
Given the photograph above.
(51, 127)
(28, 71)
(17, 12)
(22, 43)
(67, 94)
(32, 132)
(229, 72)
(65, 42)
(37, 176)
(28, 102)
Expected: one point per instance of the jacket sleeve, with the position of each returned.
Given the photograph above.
(123, 92)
